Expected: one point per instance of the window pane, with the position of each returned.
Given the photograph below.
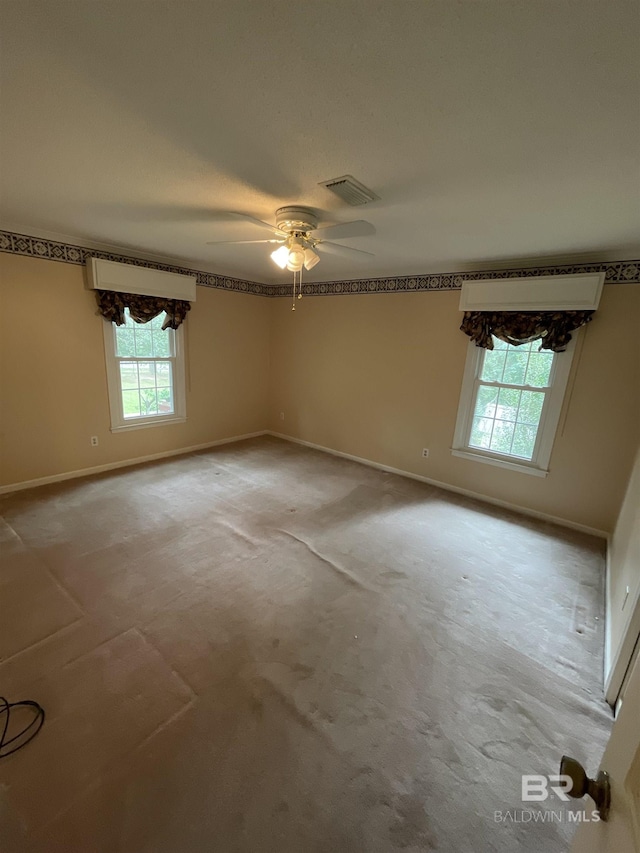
(128, 374)
(144, 339)
(515, 367)
(506, 420)
(524, 440)
(144, 342)
(481, 433)
(125, 341)
(539, 368)
(147, 388)
(145, 368)
(163, 373)
(131, 404)
(146, 385)
(502, 436)
(531, 407)
(486, 402)
(147, 374)
(508, 402)
(148, 401)
(165, 401)
(161, 343)
(493, 365)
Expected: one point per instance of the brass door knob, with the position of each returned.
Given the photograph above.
(599, 789)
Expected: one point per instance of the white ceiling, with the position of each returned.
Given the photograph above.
(493, 132)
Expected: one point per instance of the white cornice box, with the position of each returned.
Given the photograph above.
(128, 278)
(578, 292)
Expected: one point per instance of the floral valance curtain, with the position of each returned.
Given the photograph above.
(552, 328)
(142, 308)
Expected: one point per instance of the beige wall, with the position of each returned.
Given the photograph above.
(53, 380)
(378, 376)
(623, 611)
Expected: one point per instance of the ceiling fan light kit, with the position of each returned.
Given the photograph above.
(297, 232)
(281, 257)
(311, 258)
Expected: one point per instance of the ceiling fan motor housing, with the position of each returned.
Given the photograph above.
(294, 219)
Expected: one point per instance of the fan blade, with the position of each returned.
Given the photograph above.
(356, 228)
(258, 222)
(220, 242)
(337, 249)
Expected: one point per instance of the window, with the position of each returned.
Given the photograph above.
(510, 405)
(145, 372)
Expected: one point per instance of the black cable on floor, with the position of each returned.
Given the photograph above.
(26, 734)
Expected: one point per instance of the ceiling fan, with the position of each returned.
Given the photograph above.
(297, 234)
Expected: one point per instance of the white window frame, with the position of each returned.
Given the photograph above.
(549, 419)
(118, 421)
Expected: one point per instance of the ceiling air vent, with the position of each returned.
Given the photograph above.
(350, 190)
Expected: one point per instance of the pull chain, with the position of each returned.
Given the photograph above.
(296, 282)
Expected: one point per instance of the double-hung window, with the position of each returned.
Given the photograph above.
(510, 405)
(145, 372)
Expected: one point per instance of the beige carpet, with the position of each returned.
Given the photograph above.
(266, 649)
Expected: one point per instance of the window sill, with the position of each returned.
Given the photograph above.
(143, 424)
(499, 462)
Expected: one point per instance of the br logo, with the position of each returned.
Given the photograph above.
(536, 789)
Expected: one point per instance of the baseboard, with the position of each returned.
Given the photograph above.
(125, 463)
(542, 516)
(110, 466)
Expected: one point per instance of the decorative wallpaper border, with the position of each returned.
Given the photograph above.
(616, 272)
(68, 253)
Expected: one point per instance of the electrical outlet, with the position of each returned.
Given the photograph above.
(425, 452)
(94, 441)
(281, 416)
